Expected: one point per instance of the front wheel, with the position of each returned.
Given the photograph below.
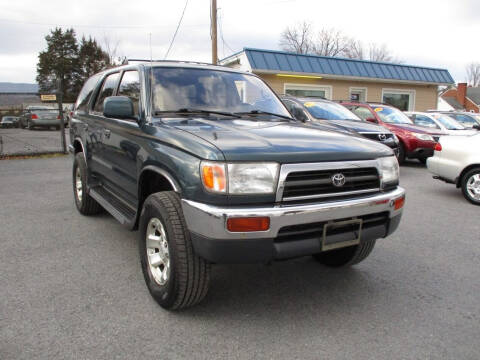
(175, 276)
(346, 256)
(86, 205)
(401, 154)
(471, 186)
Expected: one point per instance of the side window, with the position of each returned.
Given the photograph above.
(130, 86)
(108, 88)
(86, 93)
(361, 111)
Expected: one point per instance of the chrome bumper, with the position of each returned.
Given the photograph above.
(210, 221)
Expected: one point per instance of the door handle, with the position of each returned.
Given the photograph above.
(107, 133)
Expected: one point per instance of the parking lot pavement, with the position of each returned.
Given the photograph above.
(71, 286)
(23, 142)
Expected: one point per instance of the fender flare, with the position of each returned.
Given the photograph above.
(175, 185)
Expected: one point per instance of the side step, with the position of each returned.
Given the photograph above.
(124, 213)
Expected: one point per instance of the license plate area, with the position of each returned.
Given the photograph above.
(339, 234)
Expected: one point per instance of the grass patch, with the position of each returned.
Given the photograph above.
(32, 156)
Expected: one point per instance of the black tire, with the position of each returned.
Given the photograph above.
(423, 161)
(189, 276)
(465, 179)
(401, 153)
(345, 257)
(86, 205)
(57, 128)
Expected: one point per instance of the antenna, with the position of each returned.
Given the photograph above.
(151, 79)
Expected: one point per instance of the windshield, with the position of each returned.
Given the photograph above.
(391, 115)
(464, 119)
(448, 122)
(212, 90)
(476, 117)
(329, 111)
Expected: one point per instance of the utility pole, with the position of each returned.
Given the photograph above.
(214, 31)
(60, 115)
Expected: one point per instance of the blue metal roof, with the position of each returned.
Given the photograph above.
(272, 60)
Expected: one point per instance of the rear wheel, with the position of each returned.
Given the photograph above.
(346, 256)
(471, 186)
(423, 160)
(175, 276)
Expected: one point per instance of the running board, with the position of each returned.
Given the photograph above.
(117, 208)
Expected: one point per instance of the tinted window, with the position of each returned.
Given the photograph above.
(107, 90)
(329, 111)
(130, 86)
(85, 93)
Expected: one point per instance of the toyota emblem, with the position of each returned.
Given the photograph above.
(382, 137)
(338, 180)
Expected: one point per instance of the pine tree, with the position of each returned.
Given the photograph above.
(59, 61)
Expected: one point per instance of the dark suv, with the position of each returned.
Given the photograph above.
(330, 115)
(208, 164)
(416, 142)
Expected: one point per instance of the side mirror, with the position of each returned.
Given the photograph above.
(120, 107)
(298, 114)
(476, 127)
(372, 120)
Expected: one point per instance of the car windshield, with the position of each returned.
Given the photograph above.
(464, 119)
(391, 115)
(212, 90)
(329, 111)
(476, 117)
(448, 122)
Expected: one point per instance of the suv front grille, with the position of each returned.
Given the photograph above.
(303, 185)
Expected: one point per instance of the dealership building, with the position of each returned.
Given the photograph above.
(407, 87)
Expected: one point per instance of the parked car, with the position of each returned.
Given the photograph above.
(9, 122)
(40, 116)
(211, 168)
(467, 119)
(329, 114)
(439, 121)
(457, 161)
(416, 142)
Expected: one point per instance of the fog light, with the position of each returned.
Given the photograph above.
(399, 203)
(248, 224)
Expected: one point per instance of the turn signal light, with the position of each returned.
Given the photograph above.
(213, 176)
(399, 203)
(248, 224)
(438, 147)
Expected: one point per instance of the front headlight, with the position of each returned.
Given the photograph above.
(424, 137)
(239, 178)
(389, 170)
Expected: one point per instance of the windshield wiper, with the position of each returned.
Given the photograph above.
(187, 111)
(261, 112)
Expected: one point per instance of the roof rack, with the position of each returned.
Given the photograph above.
(172, 61)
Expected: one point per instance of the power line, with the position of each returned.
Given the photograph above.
(178, 26)
(220, 22)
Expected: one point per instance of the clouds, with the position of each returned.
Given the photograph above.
(419, 32)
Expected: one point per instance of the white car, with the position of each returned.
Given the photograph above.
(456, 160)
(439, 121)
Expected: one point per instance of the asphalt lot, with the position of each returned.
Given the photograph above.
(71, 286)
(23, 141)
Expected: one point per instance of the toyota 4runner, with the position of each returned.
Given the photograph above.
(210, 167)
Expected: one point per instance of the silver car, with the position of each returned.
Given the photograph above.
(439, 121)
(40, 116)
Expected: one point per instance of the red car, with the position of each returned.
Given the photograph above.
(416, 142)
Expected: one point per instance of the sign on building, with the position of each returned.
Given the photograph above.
(48, 97)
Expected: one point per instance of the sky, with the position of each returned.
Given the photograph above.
(441, 33)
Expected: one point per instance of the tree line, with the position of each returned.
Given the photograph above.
(70, 61)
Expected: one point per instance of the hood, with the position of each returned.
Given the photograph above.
(283, 142)
(415, 128)
(358, 126)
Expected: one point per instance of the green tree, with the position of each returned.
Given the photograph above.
(91, 60)
(59, 61)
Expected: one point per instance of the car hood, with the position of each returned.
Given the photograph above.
(416, 129)
(284, 142)
(358, 126)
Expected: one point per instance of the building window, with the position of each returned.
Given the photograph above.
(301, 90)
(402, 99)
(358, 94)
